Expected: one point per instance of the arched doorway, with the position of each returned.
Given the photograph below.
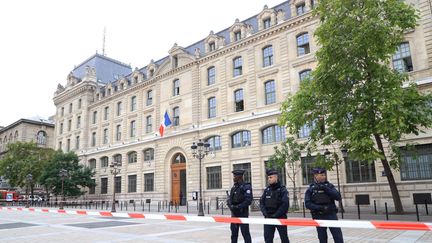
(178, 179)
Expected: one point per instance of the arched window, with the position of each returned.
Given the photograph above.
(178, 159)
(132, 157)
(118, 158)
(303, 44)
(148, 154)
(237, 66)
(241, 139)
(16, 136)
(270, 92)
(305, 74)
(104, 161)
(215, 143)
(41, 138)
(238, 99)
(273, 134)
(402, 58)
(92, 163)
(267, 56)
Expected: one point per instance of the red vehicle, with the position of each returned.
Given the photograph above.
(9, 196)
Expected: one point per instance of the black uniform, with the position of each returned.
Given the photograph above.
(239, 200)
(274, 203)
(320, 199)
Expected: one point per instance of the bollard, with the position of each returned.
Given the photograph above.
(121, 206)
(208, 208)
(126, 205)
(304, 211)
(134, 206)
(375, 209)
(426, 207)
(217, 203)
(386, 211)
(417, 212)
(222, 209)
(358, 210)
(175, 205)
(158, 207)
(187, 207)
(169, 209)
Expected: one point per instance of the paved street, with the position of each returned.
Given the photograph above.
(16, 226)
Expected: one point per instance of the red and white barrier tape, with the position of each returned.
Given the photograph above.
(389, 225)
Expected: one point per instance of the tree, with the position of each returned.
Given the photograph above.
(21, 159)
(289, 154)
(353, 91)
(78, 177)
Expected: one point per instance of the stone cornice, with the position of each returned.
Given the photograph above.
(77, 90)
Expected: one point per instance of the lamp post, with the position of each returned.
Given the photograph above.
(199, 151)
(29, 179)
(63, 175)
(344, 152)
(115, 170)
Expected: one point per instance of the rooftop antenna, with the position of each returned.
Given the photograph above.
(103, 42)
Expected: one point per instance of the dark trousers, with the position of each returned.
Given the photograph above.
(322, 231)
(269, 231)
(244, 230)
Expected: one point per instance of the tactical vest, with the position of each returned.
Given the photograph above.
(273, 200)
(237, 194)
(319, 196)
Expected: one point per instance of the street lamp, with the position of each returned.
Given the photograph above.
(63, 174)
(199, 151)
(344, 152)
(29, 179)
(115, 170)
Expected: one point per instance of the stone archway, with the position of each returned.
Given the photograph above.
(178, 179)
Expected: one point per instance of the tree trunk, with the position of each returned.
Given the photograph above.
(295, 200)
(393, 187)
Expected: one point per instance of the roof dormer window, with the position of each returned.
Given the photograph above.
(212, 46)
(237, 35)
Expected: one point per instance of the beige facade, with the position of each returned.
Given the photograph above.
(112, 118)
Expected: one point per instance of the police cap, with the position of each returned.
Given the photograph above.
(271, 172)
(238, 172)
(318, 170)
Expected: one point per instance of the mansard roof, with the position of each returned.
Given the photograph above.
(107, 69)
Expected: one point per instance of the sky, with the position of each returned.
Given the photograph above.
(42, 41)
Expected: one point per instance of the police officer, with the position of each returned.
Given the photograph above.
(238, 202)
(274, 203)
(320, 198)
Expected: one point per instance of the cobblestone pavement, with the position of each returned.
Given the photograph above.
(20, 226)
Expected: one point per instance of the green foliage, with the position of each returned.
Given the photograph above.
(78, 175)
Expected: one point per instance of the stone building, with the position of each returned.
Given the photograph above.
(225, 89)
(35, 129)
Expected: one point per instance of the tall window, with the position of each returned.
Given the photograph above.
(149, 182)
(79, 103)
(211, 75)
(212, 107)
(300, 9)
(92, 163)
(132, 183)
(176, 116)
(104, 185)
(148, 154)
(105, 136)
(117, 184)
(214, 177)
(40, 138)
(238, 99)
(133, 103)
(267, 23)
(94, 117)
(93, 139)
(106, 113)
(61, 128)
(69, 125)
(270, 92)
(70, 108)
(119, 108)
(241, 139)
(149, 124)
(104, 162)
(402, 58)
(303, 44)
(273, 134)
(92, 189)
(68, 145)
(118, 132)
(149, 97)
(78, 122)
(118, 158)
(237, 66)
(215, 143)
(307, 164)
(77, 142)
(305, 74)
(212, 46)
(237, 35)
(416, 164)
(132, 157)
(267, 56)
(176, 87)
(305, 130)
(360, 171)
(132, 129)
(62, 111)
(247, 168)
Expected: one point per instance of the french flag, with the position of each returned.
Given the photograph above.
(166, 122)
